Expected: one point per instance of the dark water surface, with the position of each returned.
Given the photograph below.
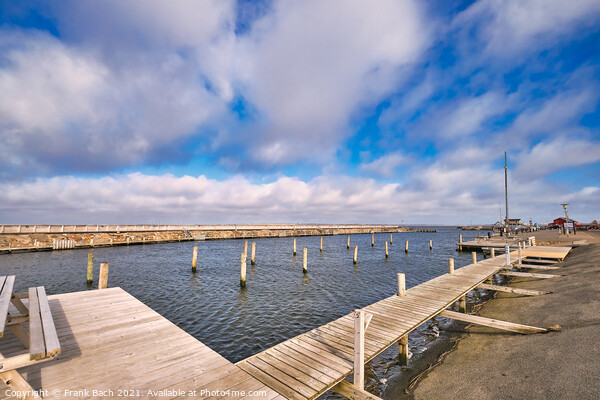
(279, 301)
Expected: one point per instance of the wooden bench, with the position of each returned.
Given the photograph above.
(41, 340)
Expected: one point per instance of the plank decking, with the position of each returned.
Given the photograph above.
(110, 341)
(308, 365)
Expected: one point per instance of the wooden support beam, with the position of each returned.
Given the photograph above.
(352, 392)
(527, 274)
(534, 266)
(403, 350)
(462, 304)
(508, 289)
(492, 323)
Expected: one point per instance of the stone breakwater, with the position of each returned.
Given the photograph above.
(27, 238)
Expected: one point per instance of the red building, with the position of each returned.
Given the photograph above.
(561, 221)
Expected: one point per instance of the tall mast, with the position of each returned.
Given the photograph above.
(506, 189)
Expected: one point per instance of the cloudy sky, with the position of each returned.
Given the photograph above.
(137, 111)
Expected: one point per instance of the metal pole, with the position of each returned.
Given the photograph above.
(506, 190)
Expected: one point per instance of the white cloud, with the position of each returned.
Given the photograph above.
(386, 165)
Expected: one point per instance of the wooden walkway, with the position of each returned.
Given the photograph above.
(308, 365)
(112, 342)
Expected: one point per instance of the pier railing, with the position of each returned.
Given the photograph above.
(155, 228)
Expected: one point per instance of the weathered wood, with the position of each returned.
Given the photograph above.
(451, 265)
(460, 242)
(372, 239)
(527, 274)
(492, 252)
(462, 304)
(430, 244)
(90, 269)
(391, 239)
(352, 392)
(294, 252)
(37, 346)
(355, 254)
(243, 270)
(50, 336)
(508, 289)
(401, 284)
(246, 248)
(540, 267)
(406, 246)
(321, 246)
(6, 291)
(253, 255)
(386, 250)
(474, 257)
(403, 350)
(305, 260)
(194, 258)
(359, 349)
(492, 323)
(348, 242)
(103, 278)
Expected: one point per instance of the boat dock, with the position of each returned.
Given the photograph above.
(114, 346)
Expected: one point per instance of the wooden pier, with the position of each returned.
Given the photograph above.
(113, 346)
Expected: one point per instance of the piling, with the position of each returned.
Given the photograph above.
(194, 259)
(372, 239)
(90, 269)
(492, 252)
(243, 271)
(246, 247)
(321, 248)
(386, 250)
(406, 246)
(451, 265)
(391, 239)
(462, 304)
(460, 242)
(431, 245)
(355, 254)
(103, 279)
(359, 349)
(507, 250)
(294, 247)
(519, 255)
(474, 257)
(401, 285)
(305, 260)
(348, 242)
(253, 256)
(403, 350)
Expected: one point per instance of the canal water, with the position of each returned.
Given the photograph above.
(279, 301)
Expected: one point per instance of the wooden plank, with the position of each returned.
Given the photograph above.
(492, 323)
(352, 392)
(37, 346)
(508, 289)
(6, 289)
(527, 274)
(535, 266)
(50, 336)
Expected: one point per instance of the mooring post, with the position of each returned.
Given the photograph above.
(507, 250)
(194, 259)
(451, 265)
(321, 247)
(359, 349)
(403, 350)
(474, 257)
(519, 256)
(372, 239)
(430, 244)
(492, 252)
(348, 242)
(391, 239)
(406, 246)
(246, 247)
(401, 285)
(90, 269)
(460, 242)
(386, 249)
(355, 254)
(243, 270)
(103, 279)
(294, 253)
(462, 304)
(305, 260)
(253, 256)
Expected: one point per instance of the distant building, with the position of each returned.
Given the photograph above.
(515, 222)
(561, 222)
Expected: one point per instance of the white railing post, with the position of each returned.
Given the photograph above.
(507, 249)
(359, 349)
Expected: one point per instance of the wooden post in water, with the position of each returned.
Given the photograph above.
(355, 254)
(359, 349)
(90, 269)
(243, 271)
(406, 246)
(391, 239)
(386, 250)
(305, 260)
(294, 246)
(430, 244)
(403, 350)
(194, 259)
(246, 247)
(321, 248)
(401, 285)
(348, 242)
(372, 239)
(492, 252)
(462, 304)
(474, 257)
(253, 257)
(460, 242)
(451, 265)
(103, 279)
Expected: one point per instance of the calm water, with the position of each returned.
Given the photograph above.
(279, 301)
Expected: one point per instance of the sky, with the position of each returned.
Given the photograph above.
(217, 111)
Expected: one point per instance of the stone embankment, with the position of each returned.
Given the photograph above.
(27, 238)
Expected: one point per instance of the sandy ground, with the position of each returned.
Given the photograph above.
(492, 364)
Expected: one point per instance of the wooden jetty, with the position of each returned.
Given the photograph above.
(114, 346)
(310, 364)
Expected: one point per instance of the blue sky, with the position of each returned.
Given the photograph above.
(279, 111)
